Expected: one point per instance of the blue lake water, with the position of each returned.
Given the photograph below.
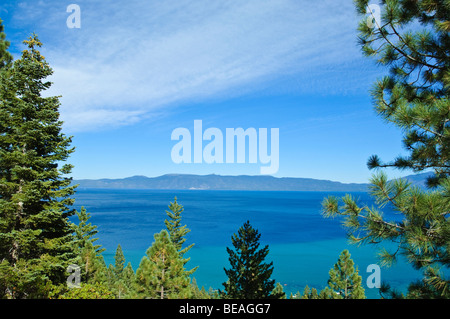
(303, 244)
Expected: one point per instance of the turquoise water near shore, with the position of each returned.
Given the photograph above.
(295, 265)
(303, 244)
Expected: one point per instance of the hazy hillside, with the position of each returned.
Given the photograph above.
(217, 182)
(243, 182)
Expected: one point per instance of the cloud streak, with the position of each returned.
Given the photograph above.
(129, 61)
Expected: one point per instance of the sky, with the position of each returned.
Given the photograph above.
(131, 72)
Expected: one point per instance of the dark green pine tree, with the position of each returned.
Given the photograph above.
(249, 276)
(412, 39)
(161, 273)
(177, 231)
(35, 233)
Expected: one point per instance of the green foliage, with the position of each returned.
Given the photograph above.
(89, 256)
(344, 282)
(93, 265)
(177, 232)
(422, 236)
(119, 262)
(161, 273)
(249, 276)
(279, 291)
(412, 40)
(121, 278)
(35, 234)
(5, 56)
(85, 231)
(86, 291)
(197, 293)
(25, 280)
(174, 227)
(307, 294)
(432, 286)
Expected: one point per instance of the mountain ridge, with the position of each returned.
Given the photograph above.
(232, 182)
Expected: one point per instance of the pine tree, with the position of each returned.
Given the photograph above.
(174, 227)
(161, 274)
(93, 268)
(177, 232)
(5, 56)
(89, 256)
(249, 276)
(121, 277)
(415, 98)
(197, 293)
(344, 282)
(35, 234)
(119, 262)
(308, 293)
(128, 280)
(84, 231)
(278, 291)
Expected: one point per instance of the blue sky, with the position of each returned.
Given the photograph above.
(138, 69)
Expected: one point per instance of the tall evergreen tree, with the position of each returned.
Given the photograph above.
(249, 276)
(161, 273)
(412, 39)
(119, 262)
(177, 231)
(35, 234)
(121, 277)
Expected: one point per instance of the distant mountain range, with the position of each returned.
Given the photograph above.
(241, 182)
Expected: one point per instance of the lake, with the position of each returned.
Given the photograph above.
(303, 244)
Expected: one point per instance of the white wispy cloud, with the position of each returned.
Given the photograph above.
(132, 58)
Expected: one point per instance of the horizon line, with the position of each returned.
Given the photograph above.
(240, 175)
